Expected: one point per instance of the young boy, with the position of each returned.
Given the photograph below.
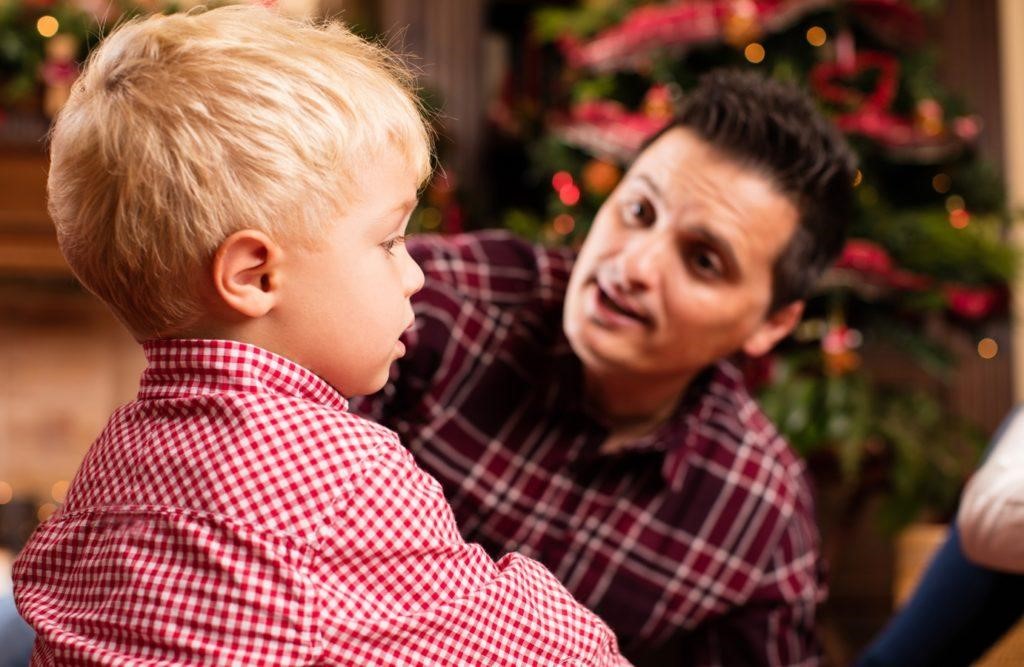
(236, 186)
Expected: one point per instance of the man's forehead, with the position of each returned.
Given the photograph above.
(708, 191)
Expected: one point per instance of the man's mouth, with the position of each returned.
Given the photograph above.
(611, 301)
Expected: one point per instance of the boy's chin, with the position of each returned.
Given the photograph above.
(370, 386)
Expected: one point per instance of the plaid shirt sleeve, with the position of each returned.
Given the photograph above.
(775, 625)
(490, 267)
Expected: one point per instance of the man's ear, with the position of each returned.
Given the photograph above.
(774, 328)
(246, 272)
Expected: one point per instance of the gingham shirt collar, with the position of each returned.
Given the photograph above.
(189, 367)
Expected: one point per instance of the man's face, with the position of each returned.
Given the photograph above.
(676, 271)
(347, 300)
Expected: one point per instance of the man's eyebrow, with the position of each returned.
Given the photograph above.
(650, 183)
(719, 242)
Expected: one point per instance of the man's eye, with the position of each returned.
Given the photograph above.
(390, 244)
(638, 212)
(706, 262)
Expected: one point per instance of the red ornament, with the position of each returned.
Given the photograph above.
(866, 257)
(833, 81)
(674, 27)
(607, 129)
(973, 303)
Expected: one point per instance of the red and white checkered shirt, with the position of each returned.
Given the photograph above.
(698, 544)
(238, 514)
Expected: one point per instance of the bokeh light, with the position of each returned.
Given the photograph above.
(47, 26)
(560, 180)
(59, 491)
(569, 195)
(564, 224)
(45, 511)
(816, 36)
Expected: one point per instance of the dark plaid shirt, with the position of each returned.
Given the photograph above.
(697, 542)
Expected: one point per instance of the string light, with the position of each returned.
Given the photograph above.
(857, 178)
(955, 203)
(959, 218)
(6, 493)
(816, 36)
(754, 52)
(560, 180)
(988, 348)
(569, 195)
(942, 183)
(47, 26)
(59, 491)
(564, 224)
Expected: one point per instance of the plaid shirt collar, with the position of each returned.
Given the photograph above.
(671, 439)
(189, 367)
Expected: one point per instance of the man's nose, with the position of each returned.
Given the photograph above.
(638, 261)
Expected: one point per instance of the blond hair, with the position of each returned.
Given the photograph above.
(184, 129)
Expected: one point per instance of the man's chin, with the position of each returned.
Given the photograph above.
(601, 350)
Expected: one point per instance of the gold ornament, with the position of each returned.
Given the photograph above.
(600, 177)
(741, 26)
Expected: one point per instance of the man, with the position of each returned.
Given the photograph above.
(595, 422)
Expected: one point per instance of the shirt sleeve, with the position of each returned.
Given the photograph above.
(991, 516)
(176, 587)
(775, 627)
(470, 280)
(398, 585)
(493, 266)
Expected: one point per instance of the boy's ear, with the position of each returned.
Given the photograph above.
(774, 328)
(246, 271)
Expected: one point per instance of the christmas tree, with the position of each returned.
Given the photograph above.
(926, 258)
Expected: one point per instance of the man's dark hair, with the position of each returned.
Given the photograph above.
(774, 127)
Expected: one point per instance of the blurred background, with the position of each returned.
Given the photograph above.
(890, 388)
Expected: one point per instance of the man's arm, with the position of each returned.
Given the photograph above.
(991, 517)
(772, 627)
(776, 626)
(468, 279)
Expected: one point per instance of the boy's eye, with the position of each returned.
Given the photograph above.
(390, 244)
(638, 212)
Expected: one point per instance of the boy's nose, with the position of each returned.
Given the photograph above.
(412, 277)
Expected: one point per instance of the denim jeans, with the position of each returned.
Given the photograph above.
(957, 612)
(16, 636)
